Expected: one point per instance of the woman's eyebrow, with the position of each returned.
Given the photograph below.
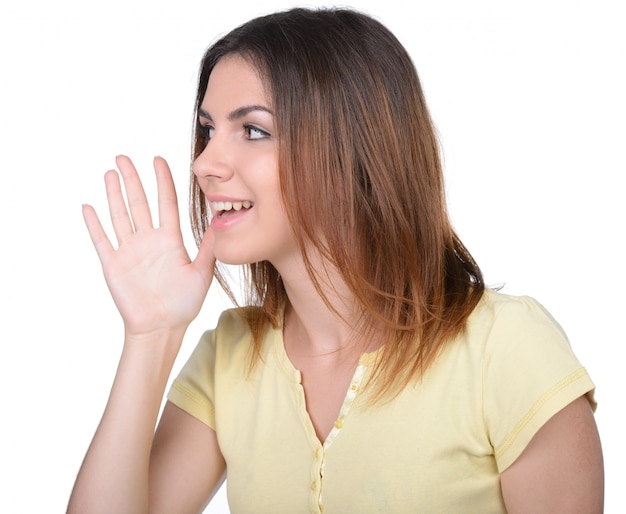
(203, 114)
(247, 109)
(237, 113)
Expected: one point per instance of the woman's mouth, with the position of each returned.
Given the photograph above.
(225, 209)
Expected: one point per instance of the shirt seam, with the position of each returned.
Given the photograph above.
(532, 412)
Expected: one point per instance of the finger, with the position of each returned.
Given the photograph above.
(98, 236)
(205, 260)
(168, 202)
(135, 194)
(120, 218)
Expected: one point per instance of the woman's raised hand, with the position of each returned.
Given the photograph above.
(155, 285)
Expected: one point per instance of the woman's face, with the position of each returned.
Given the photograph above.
(238, 169)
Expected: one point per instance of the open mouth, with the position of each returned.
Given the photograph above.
(225, 209)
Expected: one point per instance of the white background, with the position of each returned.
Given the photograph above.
(529, 98)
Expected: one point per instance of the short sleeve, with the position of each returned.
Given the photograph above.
(193, 389)
(530, 373)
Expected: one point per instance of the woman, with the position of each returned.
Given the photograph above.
(371, 370)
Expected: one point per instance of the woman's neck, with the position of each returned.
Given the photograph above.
(312, 324)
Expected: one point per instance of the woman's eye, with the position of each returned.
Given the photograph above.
(207, 132)
(253, 132)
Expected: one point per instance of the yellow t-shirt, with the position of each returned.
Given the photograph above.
(437, 448)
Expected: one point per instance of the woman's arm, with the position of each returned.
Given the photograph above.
(114, 473)
(561, 470)
(158, 291)
(186, 465)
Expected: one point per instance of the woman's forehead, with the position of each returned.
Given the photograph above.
(234, 80)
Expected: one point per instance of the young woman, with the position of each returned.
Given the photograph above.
(370, 370)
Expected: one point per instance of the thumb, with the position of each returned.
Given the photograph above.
(205, 260)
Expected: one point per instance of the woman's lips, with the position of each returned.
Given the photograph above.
(226, 213)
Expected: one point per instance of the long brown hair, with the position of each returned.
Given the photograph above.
(361, 179)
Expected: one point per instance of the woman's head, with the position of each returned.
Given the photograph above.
(359, 163)
(359, 159)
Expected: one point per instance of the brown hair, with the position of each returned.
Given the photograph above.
(361, 180)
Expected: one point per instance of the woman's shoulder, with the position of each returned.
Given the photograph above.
(512, 313)
(232, 336)
(234, 321)
(516, 336)
(510, 328)
(528, 370)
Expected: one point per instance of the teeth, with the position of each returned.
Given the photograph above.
(227, 206)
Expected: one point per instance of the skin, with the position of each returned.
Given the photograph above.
(561, 469)
(159, 289)
(241, 163)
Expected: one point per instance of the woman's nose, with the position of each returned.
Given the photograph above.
(213, 162)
